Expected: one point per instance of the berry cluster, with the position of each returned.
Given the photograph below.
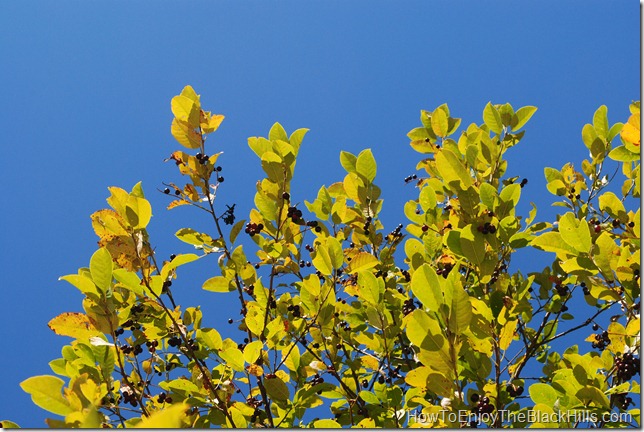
(305, 263)
(174, 341)
(317, 379)
(314, 225)
(366, 225)
(295, 214)
(229, 215)
(396, 233)
(345, 326)
(408, 307)
(250, 290)
(486, 228)
(596, 225)
(623, 402)
(627, 366)
(406, 275)
(152, 345)
(562, 290)
(130, 397)
(584, 288)
(295, 310)
(483, 405)
(253, 228)
(514, 390)
(410, 178)
(136, 349)
(164, 398)
(601, 341)
(572, 195)
(444, 270)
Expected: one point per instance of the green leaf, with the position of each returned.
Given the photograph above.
(472, 244)
(426, 333)
(335, 252)
(45, 391)
(589, 394)
(427, 287)
(543, 393)
(366, 165)
(439, 122)
(100, 267)
(489, 195)
(219, 284)
(369, 397)
(609, 203)
(277, 389)
(492, 118)
(522, 116)
(452, 169)
(574, 232)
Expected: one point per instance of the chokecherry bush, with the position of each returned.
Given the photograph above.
(345, 323)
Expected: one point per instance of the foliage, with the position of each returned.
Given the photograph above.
(356, 326)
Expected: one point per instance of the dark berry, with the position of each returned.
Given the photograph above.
(166, 191)
(220, 179)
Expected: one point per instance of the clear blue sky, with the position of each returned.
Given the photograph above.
(86, 89)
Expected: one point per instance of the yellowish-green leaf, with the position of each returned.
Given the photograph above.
(609, 203)
(45, 391)
(84, 284)
(492, 118)
(326, 424)
(370, 288)
(575, 232)
(427, 287)
(472, 244)
(362, 261)
(522, 116)
(543, 393)
(100, 267)
(179, 260)
(252, 351)
(366, 165)
(452, 169)
(439, 122)
(219, 284)
(552, 242)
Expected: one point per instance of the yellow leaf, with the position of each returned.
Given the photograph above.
(185, 134)
(255, 370)
(73, 324)
(213, 123)
(186, 110)
(171, 417)
(631, 130)
(177, 203)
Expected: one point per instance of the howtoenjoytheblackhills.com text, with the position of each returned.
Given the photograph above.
(522, 417)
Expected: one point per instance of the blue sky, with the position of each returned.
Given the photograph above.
(86, 90)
